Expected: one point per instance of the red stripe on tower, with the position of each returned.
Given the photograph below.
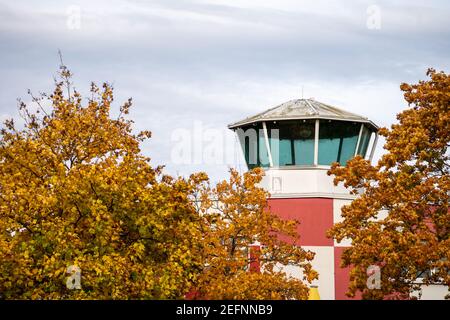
(315, 216)
(341, 277)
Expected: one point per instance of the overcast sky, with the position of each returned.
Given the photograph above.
(204, 64)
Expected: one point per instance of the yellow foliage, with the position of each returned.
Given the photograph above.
(79, 201)
(75, 190)
(236, 216)
(411, 182)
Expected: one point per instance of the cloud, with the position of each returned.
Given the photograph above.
(219, 61)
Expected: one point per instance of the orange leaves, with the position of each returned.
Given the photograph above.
(76, 191)
(77, 194)
(236, 219)
(410, 187)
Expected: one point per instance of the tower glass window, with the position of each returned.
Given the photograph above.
(254, 147)
(292, 142)
(364, 142)
(337, 141)
(304, 133)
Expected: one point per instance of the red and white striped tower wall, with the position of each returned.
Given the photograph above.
(317, 210)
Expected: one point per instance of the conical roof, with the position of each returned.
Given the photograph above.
(303, 109)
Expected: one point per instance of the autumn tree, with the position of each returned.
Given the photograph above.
(77, 194)
(401, 222)
(246, 247)
(83, 214)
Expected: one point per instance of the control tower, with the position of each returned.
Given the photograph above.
(296, 143)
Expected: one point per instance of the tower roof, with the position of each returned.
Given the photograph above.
(303, 109)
